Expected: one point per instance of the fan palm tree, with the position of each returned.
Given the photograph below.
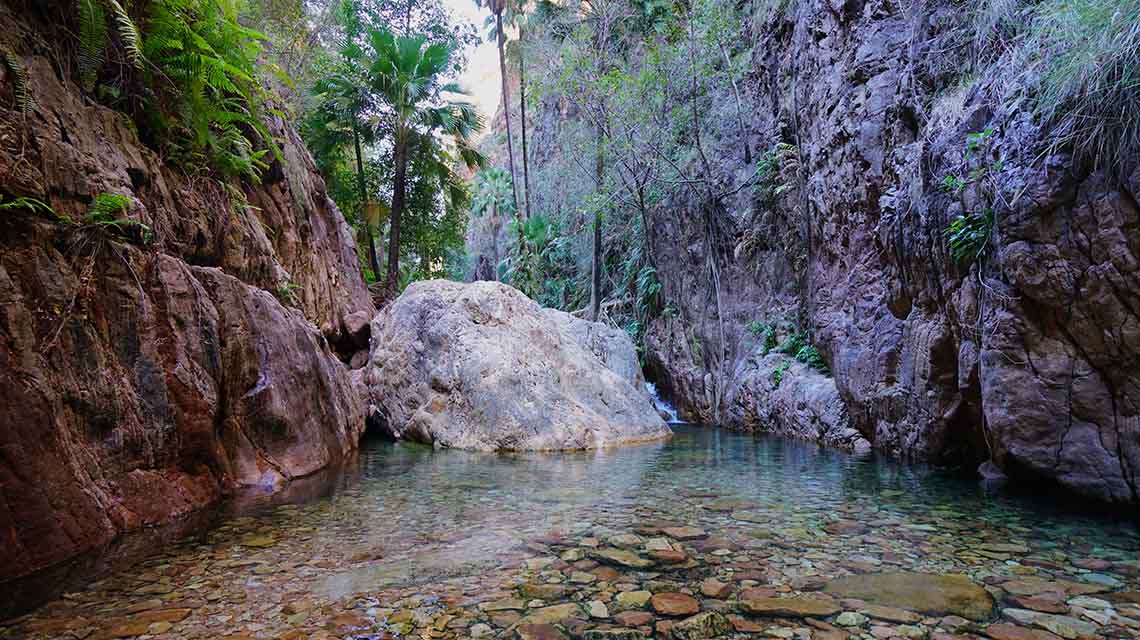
(516, 15)
(497, 8)
(344, 99)
(407, 76)
(492, 193)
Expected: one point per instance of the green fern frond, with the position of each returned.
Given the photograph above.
(25, 203)
(107, 206)
(128, 34)
(19, 72)
(92, 41)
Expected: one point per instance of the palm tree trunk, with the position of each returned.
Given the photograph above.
(372, 259)
(596, 260)
(400, 160)
(506, 104)
(522, 109)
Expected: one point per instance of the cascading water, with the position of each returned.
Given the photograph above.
(663, 406)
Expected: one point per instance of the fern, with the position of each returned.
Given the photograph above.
(108, 205)
(810, 356)
(208, 60)
(128, 34)
(19, 73)
(31, 205)
(92, 41)
(792, 345)
(203, 103)
(108, 211)
(969, 234)
(777, 375)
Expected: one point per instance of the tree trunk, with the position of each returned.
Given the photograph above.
(506, 103)
(372, 258)
(522, 110)
(596, 261)
(400, 160)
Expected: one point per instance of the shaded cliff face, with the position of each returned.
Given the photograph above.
(1029, 355)
(147, 380)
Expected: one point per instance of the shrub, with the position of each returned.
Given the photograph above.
(777, 375)
(200, 100)
(969, 234)
(810, 356)
(766, 331)
(792, 345)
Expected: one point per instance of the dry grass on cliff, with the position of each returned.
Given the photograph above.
(1090, 51)
(1081, 59)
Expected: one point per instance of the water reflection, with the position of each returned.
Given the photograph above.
(399, 514)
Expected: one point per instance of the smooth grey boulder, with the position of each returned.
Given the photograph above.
(481, 366)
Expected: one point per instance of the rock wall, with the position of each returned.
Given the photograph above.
(1029, 356)
(146, 380)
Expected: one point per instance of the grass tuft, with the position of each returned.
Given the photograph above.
(1086, 55)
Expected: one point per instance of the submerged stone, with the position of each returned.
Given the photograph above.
(1064, 626)
(621, 558)
(674, 604)
(926, 593)
(702, 626)
(790, 607)
(538, 632)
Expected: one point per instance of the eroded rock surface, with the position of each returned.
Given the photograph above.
(481, 366)
(144, 380)
(1028, 356)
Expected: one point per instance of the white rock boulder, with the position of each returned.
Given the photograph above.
(481, 366)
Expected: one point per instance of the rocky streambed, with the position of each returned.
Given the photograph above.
(709, 534)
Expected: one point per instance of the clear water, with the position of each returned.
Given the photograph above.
(405, 528)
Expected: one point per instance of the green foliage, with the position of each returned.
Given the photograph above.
(492, 192)
(406, 75)
(1080, 60)
(92, 41)
(800, 347)
(969, 235)
(31, 205)
(108, 205)
(108, 212)
(200, 101)
(286, 293)
(810, 356)
(777, 375)
(211, 111)
(93, 38)
(19, 74)
(766, 332)
(792, 344)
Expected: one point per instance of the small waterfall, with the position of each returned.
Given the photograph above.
(663, 406)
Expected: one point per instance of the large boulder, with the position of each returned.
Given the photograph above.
(481, 366)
